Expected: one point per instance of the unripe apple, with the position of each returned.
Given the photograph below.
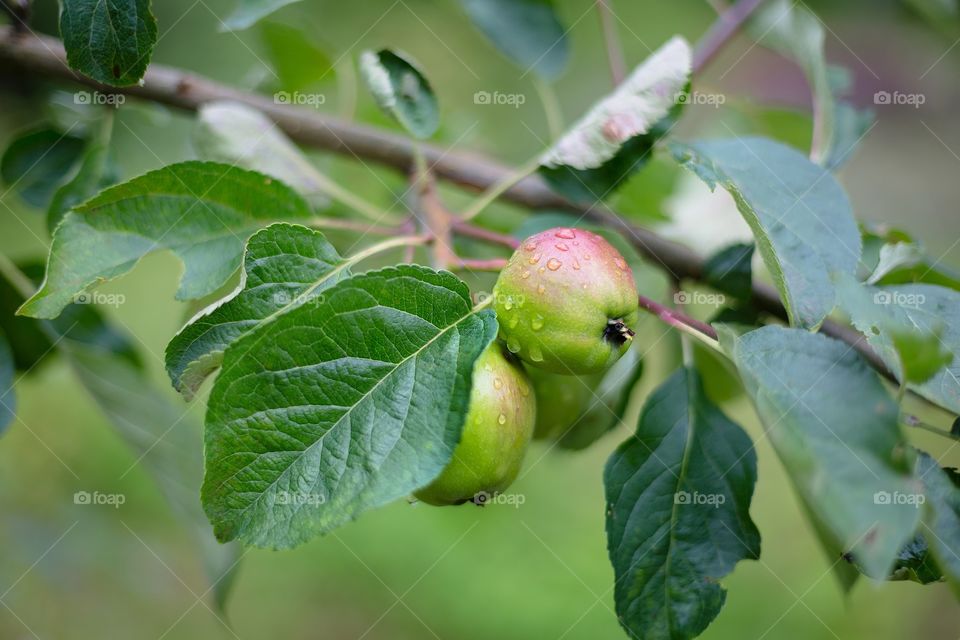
(496, 433)
(560, 401)
(566, 302)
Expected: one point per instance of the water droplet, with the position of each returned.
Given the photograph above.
(586, 256)
(535, 354)
(525, 275)
(497, 383)
(554, 264)
(513, 346)
(524, 390)
(541, 289)
(502, 419)
(530, 246)
(508, 303)
(541, 270)
(512, 322)
(562, 246)
(584, 285)
(576, 264)
(535, 259)
(620, 262)
(537, 323)
(566, 234)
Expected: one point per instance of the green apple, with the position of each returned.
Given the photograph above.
(496, 433)
(566, 302)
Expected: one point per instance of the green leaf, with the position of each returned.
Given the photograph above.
(165, 442)
(249, 12)
(901, 262)
(615, 137)
(202, 211)
(83, 323)
(730, 271)
(90, 176)
(236, 134)
(35, 163)
(799, 214)
(297, 61)
(284, 266)
(913, 328)
(343, 404)
(526, 31)
(110, 41)
(916, 563)
(835, 429)
(941, 519)
(607, 403)
(678, 498)
(401, 90)
(8, 401)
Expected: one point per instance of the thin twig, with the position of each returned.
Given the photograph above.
(618, 68)
(720, 33)
(470, 264)
(675, 318)
(479, 233)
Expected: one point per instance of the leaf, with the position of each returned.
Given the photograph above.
(917, 325)
(941, 518)
(297, 61)
(916, 564)
(341, 405)
(607, 403)
(836, 431)
(249, 12)
(233, 133)
(615, 137)
(907, 261)
(82, 323)
(8, 401)
(678, 498)
(89, 177)
(165, 442)
(35, 163)
(110, 41)
(284, 266)
(729, 270)
(799, 214)
(401, 90)
(526, 31)
(202, 211)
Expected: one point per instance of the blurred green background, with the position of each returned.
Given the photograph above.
(410, 572)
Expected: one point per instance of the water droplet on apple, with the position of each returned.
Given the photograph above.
(562, 246)
(502, 419)
(566, 234)
(512, 345)
(554, 264)
(497, 383)
(576, 264)
(535, 354)
(525, 275)
(537, 322)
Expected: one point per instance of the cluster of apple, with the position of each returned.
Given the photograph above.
(565, 303)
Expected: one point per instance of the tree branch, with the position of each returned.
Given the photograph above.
(43, 55)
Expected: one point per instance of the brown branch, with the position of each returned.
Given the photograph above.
(479, 233)
(44, 56)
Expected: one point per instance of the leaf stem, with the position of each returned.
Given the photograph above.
(321, 222)
(551, 106)
(682, 322)
(14, 276)
(497, 189)
(618, 68)
(913, 421)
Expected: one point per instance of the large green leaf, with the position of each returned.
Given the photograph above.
(8, 401)
(913, 328)
(799, 214)
(526, 31)
(284, 266)
(941, 519)
(678, 498)
(296, 59)
(835, 428)
(35, 163)
(615, 137)
(341, 405)
(401, 90)
(202, 211)
(109, 40)
(234, 133)
(249, 12)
